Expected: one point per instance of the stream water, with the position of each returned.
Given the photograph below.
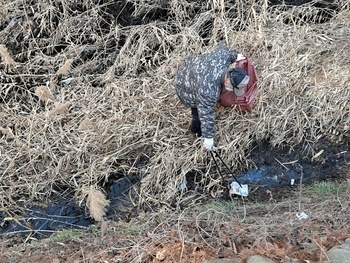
(41, 221)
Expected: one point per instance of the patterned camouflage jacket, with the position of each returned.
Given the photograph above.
(198, 83)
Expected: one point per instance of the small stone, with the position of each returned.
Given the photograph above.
(259, 259)
(338, 255)
(346, 245)
(223, 260)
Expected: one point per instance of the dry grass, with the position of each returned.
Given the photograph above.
(110, 105)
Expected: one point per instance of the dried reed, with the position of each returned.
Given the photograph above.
(97, 203)
(5, 55)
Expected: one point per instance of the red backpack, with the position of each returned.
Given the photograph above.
(245, 102)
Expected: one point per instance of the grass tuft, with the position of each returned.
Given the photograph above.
(326, 188)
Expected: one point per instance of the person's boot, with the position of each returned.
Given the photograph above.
(196, 127)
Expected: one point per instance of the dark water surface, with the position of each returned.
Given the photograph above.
(42, 221)
(62, 214)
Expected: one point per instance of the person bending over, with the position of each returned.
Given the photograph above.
(199, 82)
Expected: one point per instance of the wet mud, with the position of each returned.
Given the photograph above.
(286, 168)
(307, 163)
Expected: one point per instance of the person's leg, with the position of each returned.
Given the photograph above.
(196, 123)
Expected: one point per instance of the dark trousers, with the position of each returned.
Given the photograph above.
(194, 112)
(196, 123)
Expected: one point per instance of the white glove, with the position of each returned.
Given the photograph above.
(240, 57)
(208, 144)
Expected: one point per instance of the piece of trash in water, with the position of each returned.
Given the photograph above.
(182, 185)
(302, 215)
(292, 182)
(238, 190)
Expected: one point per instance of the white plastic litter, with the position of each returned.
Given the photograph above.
(302, 215)
(240, 57)
(237, 190)
(183, 185)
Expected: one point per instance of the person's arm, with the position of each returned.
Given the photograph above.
(229, 55)
(206, 112)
